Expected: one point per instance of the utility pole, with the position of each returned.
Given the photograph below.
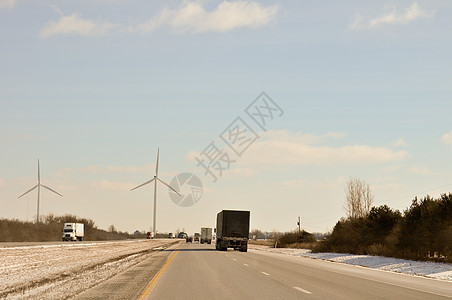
(299, 226)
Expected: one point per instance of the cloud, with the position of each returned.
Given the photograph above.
(400, 143)
(238, 173)
(112, 186)
(388, 187)
(75, 25)
(287, 136)
(276, 147)
(447, 138)
(422, 170)
(96, 169)
(284, 147)
(7, 3)
(393, 168)
(385, 179)
(299, 137)
(129, 169)
(387, 183)
(294, 183)
(56, 9)
(228, 15)
(330, 183)
(412, 13)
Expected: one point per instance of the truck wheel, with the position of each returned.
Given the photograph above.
(244, 250)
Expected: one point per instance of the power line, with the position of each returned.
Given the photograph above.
(415, 194)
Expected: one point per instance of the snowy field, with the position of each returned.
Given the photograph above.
(51, 270)
(427, 269)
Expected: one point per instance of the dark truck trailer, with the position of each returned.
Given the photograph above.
(233, 227)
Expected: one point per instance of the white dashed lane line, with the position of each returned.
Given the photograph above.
(246, 265)
(295, 287)
(302, 290)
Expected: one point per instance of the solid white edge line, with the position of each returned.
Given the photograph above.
(302, 290)
(371, 269)
(265, 273)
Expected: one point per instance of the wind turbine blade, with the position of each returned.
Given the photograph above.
(39, 173)
(169, 186)
(51, 190)
(28, 191)
(157, 164)
(149, 181)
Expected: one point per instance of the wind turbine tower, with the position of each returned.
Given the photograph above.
(39, 192)
(155, 179)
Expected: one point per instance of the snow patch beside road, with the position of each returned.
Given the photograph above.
(434, 270)
(65, 270)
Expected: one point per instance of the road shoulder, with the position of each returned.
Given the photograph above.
(131, 283)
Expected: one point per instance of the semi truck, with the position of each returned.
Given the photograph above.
(233, 227)
(206, 235)
(73, 232)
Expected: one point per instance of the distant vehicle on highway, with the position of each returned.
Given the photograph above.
(196, 237)
(206, 235)
(182, 235)
(149, 235)
(170, 235)
(73, 232)
(233, 229)
(189, 239)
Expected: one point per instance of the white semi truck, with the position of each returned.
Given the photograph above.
(206, 235)
(73, 232)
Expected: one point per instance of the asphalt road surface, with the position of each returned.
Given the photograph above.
(198, 271)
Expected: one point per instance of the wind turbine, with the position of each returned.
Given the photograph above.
(155, 179)
(39, 191)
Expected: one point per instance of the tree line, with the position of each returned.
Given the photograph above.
(422, 232)
(51, 229)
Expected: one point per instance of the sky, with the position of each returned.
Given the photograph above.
(347, 89)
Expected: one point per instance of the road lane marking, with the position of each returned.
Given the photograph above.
(302, 290)
(246, 265)
(154, 280)
(265, 273)
(234, 259)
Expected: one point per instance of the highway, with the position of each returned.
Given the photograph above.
(196, 271)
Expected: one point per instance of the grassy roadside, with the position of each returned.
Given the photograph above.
(51, 229)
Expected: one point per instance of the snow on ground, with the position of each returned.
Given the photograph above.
(49, 271)
(428, 269)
